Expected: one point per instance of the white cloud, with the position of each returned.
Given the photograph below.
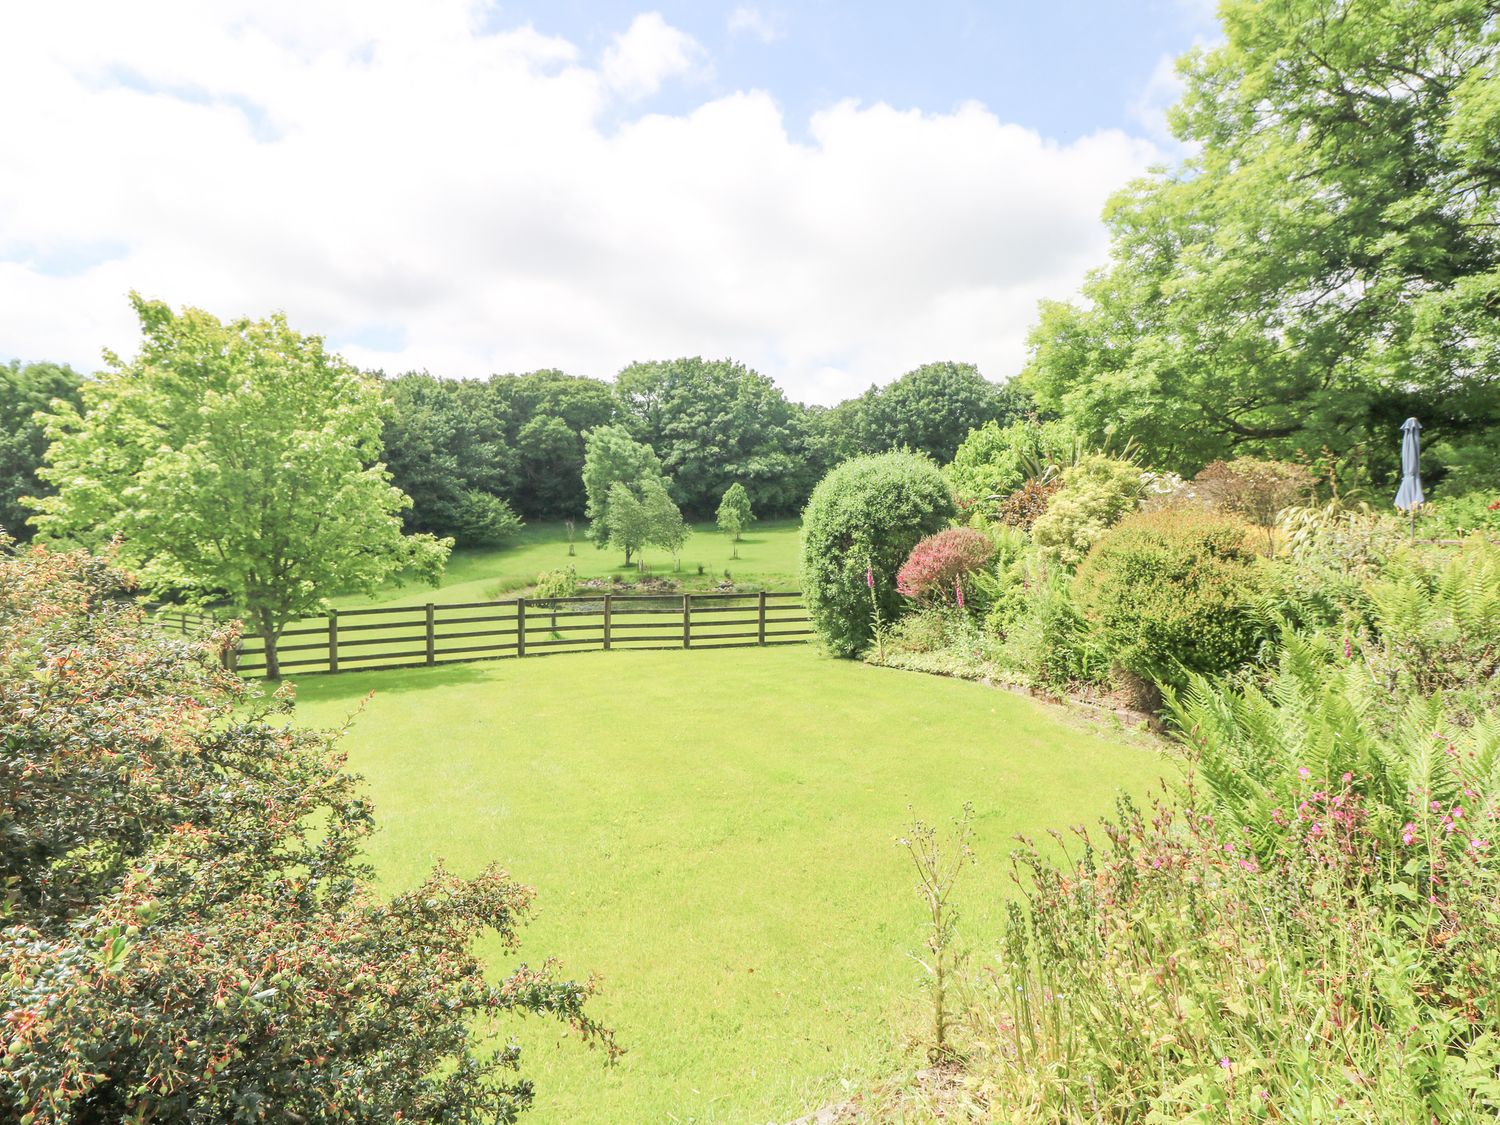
(429, 194)
(747, 19)
(648, 53)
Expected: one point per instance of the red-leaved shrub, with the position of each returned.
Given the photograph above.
(937, 565)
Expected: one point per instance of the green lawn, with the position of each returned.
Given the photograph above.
(712, 832)
(768, 558)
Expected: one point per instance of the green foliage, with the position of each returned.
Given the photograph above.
(238, 462)
(483, 520)
(735, 513)
(715, 423)
(665, 526)
(626, 525)
(190, 931)
(864, 518)
(26, 390)
(519, 437)
(1094, 494)
(1463, 515)
(1171, 594)
(1324, 265)
(930, 410)
(556, 583)
(611, 456)
(996, 460)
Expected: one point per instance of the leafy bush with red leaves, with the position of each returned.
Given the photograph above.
(189, 933)
(937, 566)
(1026, 504)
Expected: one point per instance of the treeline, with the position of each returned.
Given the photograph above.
(711, 423)
(477, 456)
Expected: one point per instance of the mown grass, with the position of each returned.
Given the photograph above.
(713, 833)
(768, 559)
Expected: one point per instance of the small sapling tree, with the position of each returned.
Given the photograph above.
(667, 528)
(735, 514)
(237, 463)
(627, 524)
(611, 456)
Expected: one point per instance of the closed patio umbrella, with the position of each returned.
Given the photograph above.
(1409, 496)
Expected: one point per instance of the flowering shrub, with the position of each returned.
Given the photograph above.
(189, 931)
(938, 566)
(1305, 932)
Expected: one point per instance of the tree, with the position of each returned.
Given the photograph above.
(190, 930)
(714, 422)
(735, 513)
(1327, 264)
(994, 460)
(611, 456)
(626, 525)
(860, 525)
(666, 527)
(238, 463)
(446, 448)
(25, 390)
(930, 409)
(547, 414)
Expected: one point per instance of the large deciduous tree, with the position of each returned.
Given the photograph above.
(930, 410)
(237, 462)
(713, 422)
(24, 391)
(1327, 263)
(189, 932)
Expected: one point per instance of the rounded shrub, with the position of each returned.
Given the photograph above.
(1169, 593)
(864, 518)
(939, 563)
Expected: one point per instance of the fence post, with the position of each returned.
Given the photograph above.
(608, 602)
(687, 620)
(762, 638)
(333, 640)
(431, 637)
(520, 626)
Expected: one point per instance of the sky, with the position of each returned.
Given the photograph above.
(831, 192)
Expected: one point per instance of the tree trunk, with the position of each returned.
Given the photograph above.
(270, 635)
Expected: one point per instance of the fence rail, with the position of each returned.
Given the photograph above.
(447, 633)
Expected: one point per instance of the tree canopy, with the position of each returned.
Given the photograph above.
(24, 391)
(714, 422)
(929, 410)
(239, 463)
(1327, 263)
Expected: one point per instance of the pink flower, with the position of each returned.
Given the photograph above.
(1226, 1064)
(1348, 649)
(959, 588)
(1303, 772)
(1408, 833)
(870, 577)
(1479, 843)
(1347, 778)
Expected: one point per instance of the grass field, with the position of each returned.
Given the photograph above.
(712, 832)
(768, 558)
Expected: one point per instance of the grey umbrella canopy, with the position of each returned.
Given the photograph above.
(1409, 496)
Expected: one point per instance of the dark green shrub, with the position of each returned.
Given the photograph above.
(483, 520)
(1171, 593)
(859, 527)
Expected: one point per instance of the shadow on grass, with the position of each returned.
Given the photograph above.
(354, 686)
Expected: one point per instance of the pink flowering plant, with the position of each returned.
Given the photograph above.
(939, 566)
(1304, 929)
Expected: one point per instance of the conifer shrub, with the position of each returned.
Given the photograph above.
(860, 525)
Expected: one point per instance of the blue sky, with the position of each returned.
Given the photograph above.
(832, 193)
(1062, 67)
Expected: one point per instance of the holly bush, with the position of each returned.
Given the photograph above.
(189, 933)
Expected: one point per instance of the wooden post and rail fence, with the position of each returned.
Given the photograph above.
(382, 637)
